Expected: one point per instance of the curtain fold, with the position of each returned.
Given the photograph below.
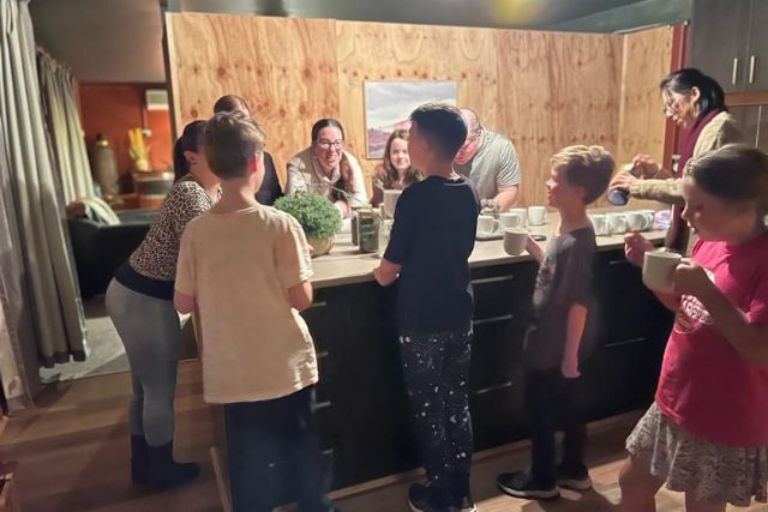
(48, 271)
(67, 139)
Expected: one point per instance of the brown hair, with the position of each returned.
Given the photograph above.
(734, 173)
(231, 103)
(346, 182)
(411, 174)
(589, 167)
(231, 140)
(442, 126)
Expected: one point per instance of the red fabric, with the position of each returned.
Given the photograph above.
(706, 387)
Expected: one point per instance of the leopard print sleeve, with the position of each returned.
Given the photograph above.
(188, 201)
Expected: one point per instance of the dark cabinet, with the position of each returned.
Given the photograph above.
(362, 418)
(729, 42)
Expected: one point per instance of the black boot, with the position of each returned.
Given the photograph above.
(139, 460)
(165, 473)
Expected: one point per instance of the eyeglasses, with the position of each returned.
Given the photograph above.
(328, 144)
(671, 104)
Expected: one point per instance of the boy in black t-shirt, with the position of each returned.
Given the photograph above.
(431, 240)
(564, 309)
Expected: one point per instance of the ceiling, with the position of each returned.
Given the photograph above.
(121, 40)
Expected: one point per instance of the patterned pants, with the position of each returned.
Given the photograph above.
(436, 371)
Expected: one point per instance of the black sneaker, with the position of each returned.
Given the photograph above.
(423, 498)
(522, 485)
(575, 478)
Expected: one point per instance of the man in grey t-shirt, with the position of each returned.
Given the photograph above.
(489, 160)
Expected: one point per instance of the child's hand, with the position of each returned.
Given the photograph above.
(534, 249)
(691, 279)
(635, 247)
(570, 368)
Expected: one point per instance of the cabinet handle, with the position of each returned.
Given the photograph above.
(752, 62)
(499, 387)
(493, 319)
(486, 280)
(735, 71)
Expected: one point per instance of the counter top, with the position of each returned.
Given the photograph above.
(345, 265)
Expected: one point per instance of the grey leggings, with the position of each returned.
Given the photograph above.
(151, 333)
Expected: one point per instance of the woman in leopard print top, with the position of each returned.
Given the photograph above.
(140, 302)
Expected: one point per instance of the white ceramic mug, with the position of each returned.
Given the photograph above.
(512, 219)
(599, 223)
(515, 240)
(487, 226)
(389, 202)
(650, 215)
(659, 270)
(638, 221)
(537, 215)
(617, 223)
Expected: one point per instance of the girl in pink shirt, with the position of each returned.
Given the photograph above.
(707, 432)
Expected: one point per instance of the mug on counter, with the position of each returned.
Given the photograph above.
(638, 221)
(617, 223)
(537, 215)
(488, 226)
(599, 223)
(513, 218)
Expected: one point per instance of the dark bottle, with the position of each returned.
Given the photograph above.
(617, 196)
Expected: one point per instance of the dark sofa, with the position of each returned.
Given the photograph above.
(100, 249)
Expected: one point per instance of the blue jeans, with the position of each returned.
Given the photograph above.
(269, 446)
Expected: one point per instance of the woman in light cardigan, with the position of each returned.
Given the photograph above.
(696, 102)
(324, 168)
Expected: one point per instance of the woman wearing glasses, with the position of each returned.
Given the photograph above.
(325, 168)
(695, 102)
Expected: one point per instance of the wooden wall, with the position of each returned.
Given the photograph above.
(542, 89)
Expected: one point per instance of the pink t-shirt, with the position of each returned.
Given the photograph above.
(706, 386)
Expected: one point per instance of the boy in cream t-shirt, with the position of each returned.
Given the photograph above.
(246, 269)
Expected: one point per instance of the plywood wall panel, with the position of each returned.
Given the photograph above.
(285, 69)
(557, 89)
(378, 51)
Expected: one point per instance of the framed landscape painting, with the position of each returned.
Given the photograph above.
(388, 104)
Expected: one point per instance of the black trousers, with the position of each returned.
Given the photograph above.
(551, 403)
(269, 446)
(436, 372)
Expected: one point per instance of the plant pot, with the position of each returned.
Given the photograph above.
(320, 246)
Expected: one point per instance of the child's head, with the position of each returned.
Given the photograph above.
(580, 174)
(437, 133)
(234, 147)
(231, 103)
(726, 193)
(188, 151)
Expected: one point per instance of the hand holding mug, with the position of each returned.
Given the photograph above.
(534, 249)
(622, 181)
(691, 279)
(647, 166)
(635, 247)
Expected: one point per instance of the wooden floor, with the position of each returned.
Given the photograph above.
(73, 454)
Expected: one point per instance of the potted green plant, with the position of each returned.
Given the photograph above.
(317, 215)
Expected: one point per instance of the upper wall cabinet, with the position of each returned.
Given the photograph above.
(730, 42)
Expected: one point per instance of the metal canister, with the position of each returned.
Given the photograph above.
(368, 231)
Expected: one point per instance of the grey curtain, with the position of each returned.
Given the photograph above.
(60, 105)
(35, 203)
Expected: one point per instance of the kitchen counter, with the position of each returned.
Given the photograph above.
(346, 265)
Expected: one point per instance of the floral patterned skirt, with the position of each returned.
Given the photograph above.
(688, 463)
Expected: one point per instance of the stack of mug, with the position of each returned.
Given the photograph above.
(618, 223)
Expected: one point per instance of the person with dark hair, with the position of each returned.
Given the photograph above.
(431, 240)
(270, 190)
(327, 169)
(706, 433)
(140, 302)
(695, 102)
(396, 171)
(490, 161)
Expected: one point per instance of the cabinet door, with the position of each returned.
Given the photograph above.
(757, 53)
(748, 119)
(719, 41)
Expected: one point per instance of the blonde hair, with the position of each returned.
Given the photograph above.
(589, 167)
